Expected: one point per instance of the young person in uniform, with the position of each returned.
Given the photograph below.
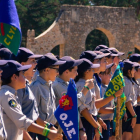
(136, 79)
(14, 119)
(47, 66)
(131, 100)
(60, 85)
(107, 118)
(3, 134)
(85, 71)
(25, 95)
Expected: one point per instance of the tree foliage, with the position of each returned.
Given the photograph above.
(40, 14)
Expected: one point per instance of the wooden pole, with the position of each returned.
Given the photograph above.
(59, 130)
(117, 119)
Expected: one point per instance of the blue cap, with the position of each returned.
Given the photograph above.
(98, 48)
(106, 51)
(12, 67)
(101, 54)
(135, 57)
(5, 54)
(70, 62)
(86, 64)
(90, 55)
(3, 63)
(48, 60)
(115, 52)
(24, 54)
(129, 64)
(109, 66)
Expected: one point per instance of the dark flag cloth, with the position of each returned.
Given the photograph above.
(67, 112)
(10, 32)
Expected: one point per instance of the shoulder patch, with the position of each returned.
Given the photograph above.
(63, 93)
(12, 103)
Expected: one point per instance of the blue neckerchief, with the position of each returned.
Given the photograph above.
(98, 82)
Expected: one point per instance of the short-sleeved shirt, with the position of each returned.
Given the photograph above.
(89, 98)
(97, 89)
(3, 133)
(14, 119)
(130, 91)
(28, 102)
(137, 90)
(45, 99)
(60, 88)
(110, 104)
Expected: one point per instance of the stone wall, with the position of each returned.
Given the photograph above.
(73, 25)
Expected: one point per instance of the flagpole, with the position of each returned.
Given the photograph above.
(117, 119)
(59, 130)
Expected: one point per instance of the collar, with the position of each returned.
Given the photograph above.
(42, 81)
(105, 86)
(58, 79)
(81, 80)
(12, 90)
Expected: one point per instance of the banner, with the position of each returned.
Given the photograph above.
(67, 112)
(116, 83)
(10, 32)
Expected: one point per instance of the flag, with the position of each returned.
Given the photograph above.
(67, 112)
(116, 83)
(10, 32)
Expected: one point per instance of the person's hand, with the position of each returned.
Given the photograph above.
(82, 135)
(119, 93)
(104, 126)
(133, 122)
(125, 117)
(53, 135)
(89, 83)
(102, 123)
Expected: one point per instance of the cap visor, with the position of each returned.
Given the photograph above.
(35, 56)
(120, 53)
(100, 56)
(24, 68)
(95, 66)
(3, 62)
(77, 62)
(135, 64)
(59, 63)
(109, 66)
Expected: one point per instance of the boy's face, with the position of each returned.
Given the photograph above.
(103, 64)
(73, 73)
(116, 60)
(52, 72)
(20, 80)
(105, 78)
(137, 74)
(30, 71)
(109, 60)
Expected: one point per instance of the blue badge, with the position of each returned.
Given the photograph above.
(12, 103)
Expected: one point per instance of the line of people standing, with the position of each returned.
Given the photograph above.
(28, 99)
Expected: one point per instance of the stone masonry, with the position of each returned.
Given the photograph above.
(74, 23)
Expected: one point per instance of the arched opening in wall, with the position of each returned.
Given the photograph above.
(58, 50)
(95, 38)
(55, 50)
(99, 36)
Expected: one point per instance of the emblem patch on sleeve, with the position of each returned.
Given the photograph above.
(12, 103)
